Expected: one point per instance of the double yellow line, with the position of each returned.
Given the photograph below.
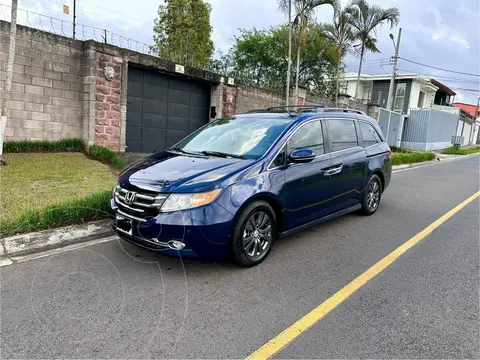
(300, 326)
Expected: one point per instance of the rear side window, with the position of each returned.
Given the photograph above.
(343, 134)
(308, 136)
(369, 135)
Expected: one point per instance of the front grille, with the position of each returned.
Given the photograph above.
(138, 203)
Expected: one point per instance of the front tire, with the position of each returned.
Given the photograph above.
(254, 233)
(372, 195)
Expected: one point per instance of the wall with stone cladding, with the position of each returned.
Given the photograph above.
(249, 98)
(107, 102)
(229, 98)
(47, 85)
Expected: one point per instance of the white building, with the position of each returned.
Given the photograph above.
(411, 90)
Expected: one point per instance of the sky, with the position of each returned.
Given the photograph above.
(439, 33)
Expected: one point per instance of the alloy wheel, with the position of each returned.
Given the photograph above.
(257, 235)
(373, 195)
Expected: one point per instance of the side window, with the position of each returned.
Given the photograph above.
(369, 135)
(308, 136)
(279, 159)
(343, 134)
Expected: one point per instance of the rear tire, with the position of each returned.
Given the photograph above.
(372, 195)
(255, 231)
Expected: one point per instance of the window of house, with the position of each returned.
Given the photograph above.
(367, 93)
(308, 136)
(343, 134)
(369, 135)
(379, 97)
(400, 96)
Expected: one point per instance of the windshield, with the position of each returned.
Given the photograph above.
(248, 137)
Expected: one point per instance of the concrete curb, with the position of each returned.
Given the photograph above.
(441, 158)
(407, 166)
(29, 243)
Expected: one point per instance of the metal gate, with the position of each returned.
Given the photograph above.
(162, 109)
(391, 123)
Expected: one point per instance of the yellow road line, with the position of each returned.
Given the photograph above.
(296, 329)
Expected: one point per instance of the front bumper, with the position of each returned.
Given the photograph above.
(205, 231)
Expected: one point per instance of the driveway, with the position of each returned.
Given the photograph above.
(114, 300)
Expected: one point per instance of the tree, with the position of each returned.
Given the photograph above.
(341, 34)
(8, 81)
(304, 12)
(259, 58)
(182, 32)
(365, 20)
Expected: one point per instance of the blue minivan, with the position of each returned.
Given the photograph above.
(232, 187)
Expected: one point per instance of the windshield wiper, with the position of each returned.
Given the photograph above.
(222, 154)
(176, 148)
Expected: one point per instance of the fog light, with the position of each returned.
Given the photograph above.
(176, 245)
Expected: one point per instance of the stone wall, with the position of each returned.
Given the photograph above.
(47, 87)
(60, 89)
(249, 98)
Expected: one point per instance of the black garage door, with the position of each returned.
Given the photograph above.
(162, 109)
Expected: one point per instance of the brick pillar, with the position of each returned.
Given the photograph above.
(107, 102)
(229, 97)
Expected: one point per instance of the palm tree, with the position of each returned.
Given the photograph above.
(341, 34)
(365, 20)
(304, 11)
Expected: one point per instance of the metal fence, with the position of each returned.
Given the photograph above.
(391, 123)
(428, 129)
(65, 28)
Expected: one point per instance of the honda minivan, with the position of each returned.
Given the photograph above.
(234, 186)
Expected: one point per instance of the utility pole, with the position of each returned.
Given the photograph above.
(8, 81)
(394, 74)
(289, 66)
(74, 17)
(472, 129)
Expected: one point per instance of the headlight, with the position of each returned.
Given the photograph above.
(177, 202)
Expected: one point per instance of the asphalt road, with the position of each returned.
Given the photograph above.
(113, 300)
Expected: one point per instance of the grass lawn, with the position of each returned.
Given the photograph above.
(412, 157)
(34, 181)
(454, 151)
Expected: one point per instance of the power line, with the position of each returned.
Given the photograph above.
(463, 89)
(444, 78)
(437, 68)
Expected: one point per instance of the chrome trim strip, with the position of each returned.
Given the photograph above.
(122, 199)
(129, 216)
(125, 205)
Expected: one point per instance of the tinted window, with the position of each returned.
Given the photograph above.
(248, 136)
(342, 133)
(369, 135)
(308, 136)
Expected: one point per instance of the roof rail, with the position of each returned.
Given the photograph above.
(296, 109)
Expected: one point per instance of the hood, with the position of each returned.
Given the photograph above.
(171, 172)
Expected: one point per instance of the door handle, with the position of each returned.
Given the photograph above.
(333, 171)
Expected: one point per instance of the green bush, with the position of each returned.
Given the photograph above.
(92, 207)
(459, 151)
(64, 145)
(412, 157)
(106, 156)
(397, 149)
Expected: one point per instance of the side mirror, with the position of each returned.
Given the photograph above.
(301, 156)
